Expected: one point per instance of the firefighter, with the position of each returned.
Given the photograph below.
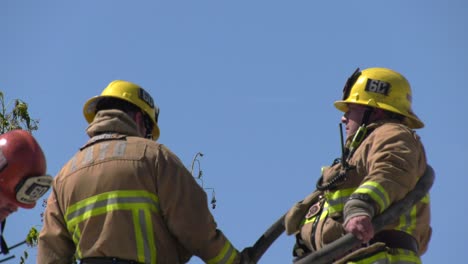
(124, 198)
(381, 162)
(23, 178)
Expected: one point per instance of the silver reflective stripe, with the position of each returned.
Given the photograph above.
(144, 232)
(119, 149)
(227, 256)
(406, 218)
(378, 193)
(338, 201)
(141, 204)
(88, 155)
(103, 147)
(73, 164)
(100, 137)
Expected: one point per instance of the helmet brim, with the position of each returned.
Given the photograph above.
(411, 120)
(89, 112)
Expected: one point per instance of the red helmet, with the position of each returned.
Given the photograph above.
(23, 178)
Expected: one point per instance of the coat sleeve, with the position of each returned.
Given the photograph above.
(54, 244)
(395, 160)
(185, 210)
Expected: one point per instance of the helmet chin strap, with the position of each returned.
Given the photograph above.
(148, 126)
(3, 244)
(360, 134)
(366, 116)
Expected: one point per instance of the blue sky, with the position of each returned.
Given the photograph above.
(251, 85)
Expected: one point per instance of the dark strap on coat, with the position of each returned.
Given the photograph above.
(107, 260)
(396, 239)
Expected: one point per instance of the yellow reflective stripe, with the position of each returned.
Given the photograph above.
(322, 216)
(412, 220)
(376, 192)
(108, 195)
(144, 235)
(141, 203)
(76, 238)
(151, 240)
(426, 199)
(398, 256)
(225, 256)
(138, 236)
(106, 202)
(407, 222)
(335, 201)
(308, 220)
(232, 258)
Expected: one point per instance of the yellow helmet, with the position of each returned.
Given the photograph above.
(129, 92)
(380, 88)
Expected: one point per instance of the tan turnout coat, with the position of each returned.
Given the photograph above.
(388, 162)
(128, 197)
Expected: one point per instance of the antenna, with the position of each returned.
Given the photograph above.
(343, 158)
(199, 177)
(195, 159)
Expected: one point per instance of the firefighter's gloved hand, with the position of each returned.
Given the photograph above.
(246, 256)
(361, 227)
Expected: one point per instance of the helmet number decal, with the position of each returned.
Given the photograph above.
(36, 191)
(31, 189)
(146, 97)
(377, 86)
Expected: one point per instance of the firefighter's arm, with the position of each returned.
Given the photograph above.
(358, 213)
(185, 209)
(54, 243)
(394, 164)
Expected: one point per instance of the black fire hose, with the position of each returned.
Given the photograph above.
(342, 245)
(255, 252)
